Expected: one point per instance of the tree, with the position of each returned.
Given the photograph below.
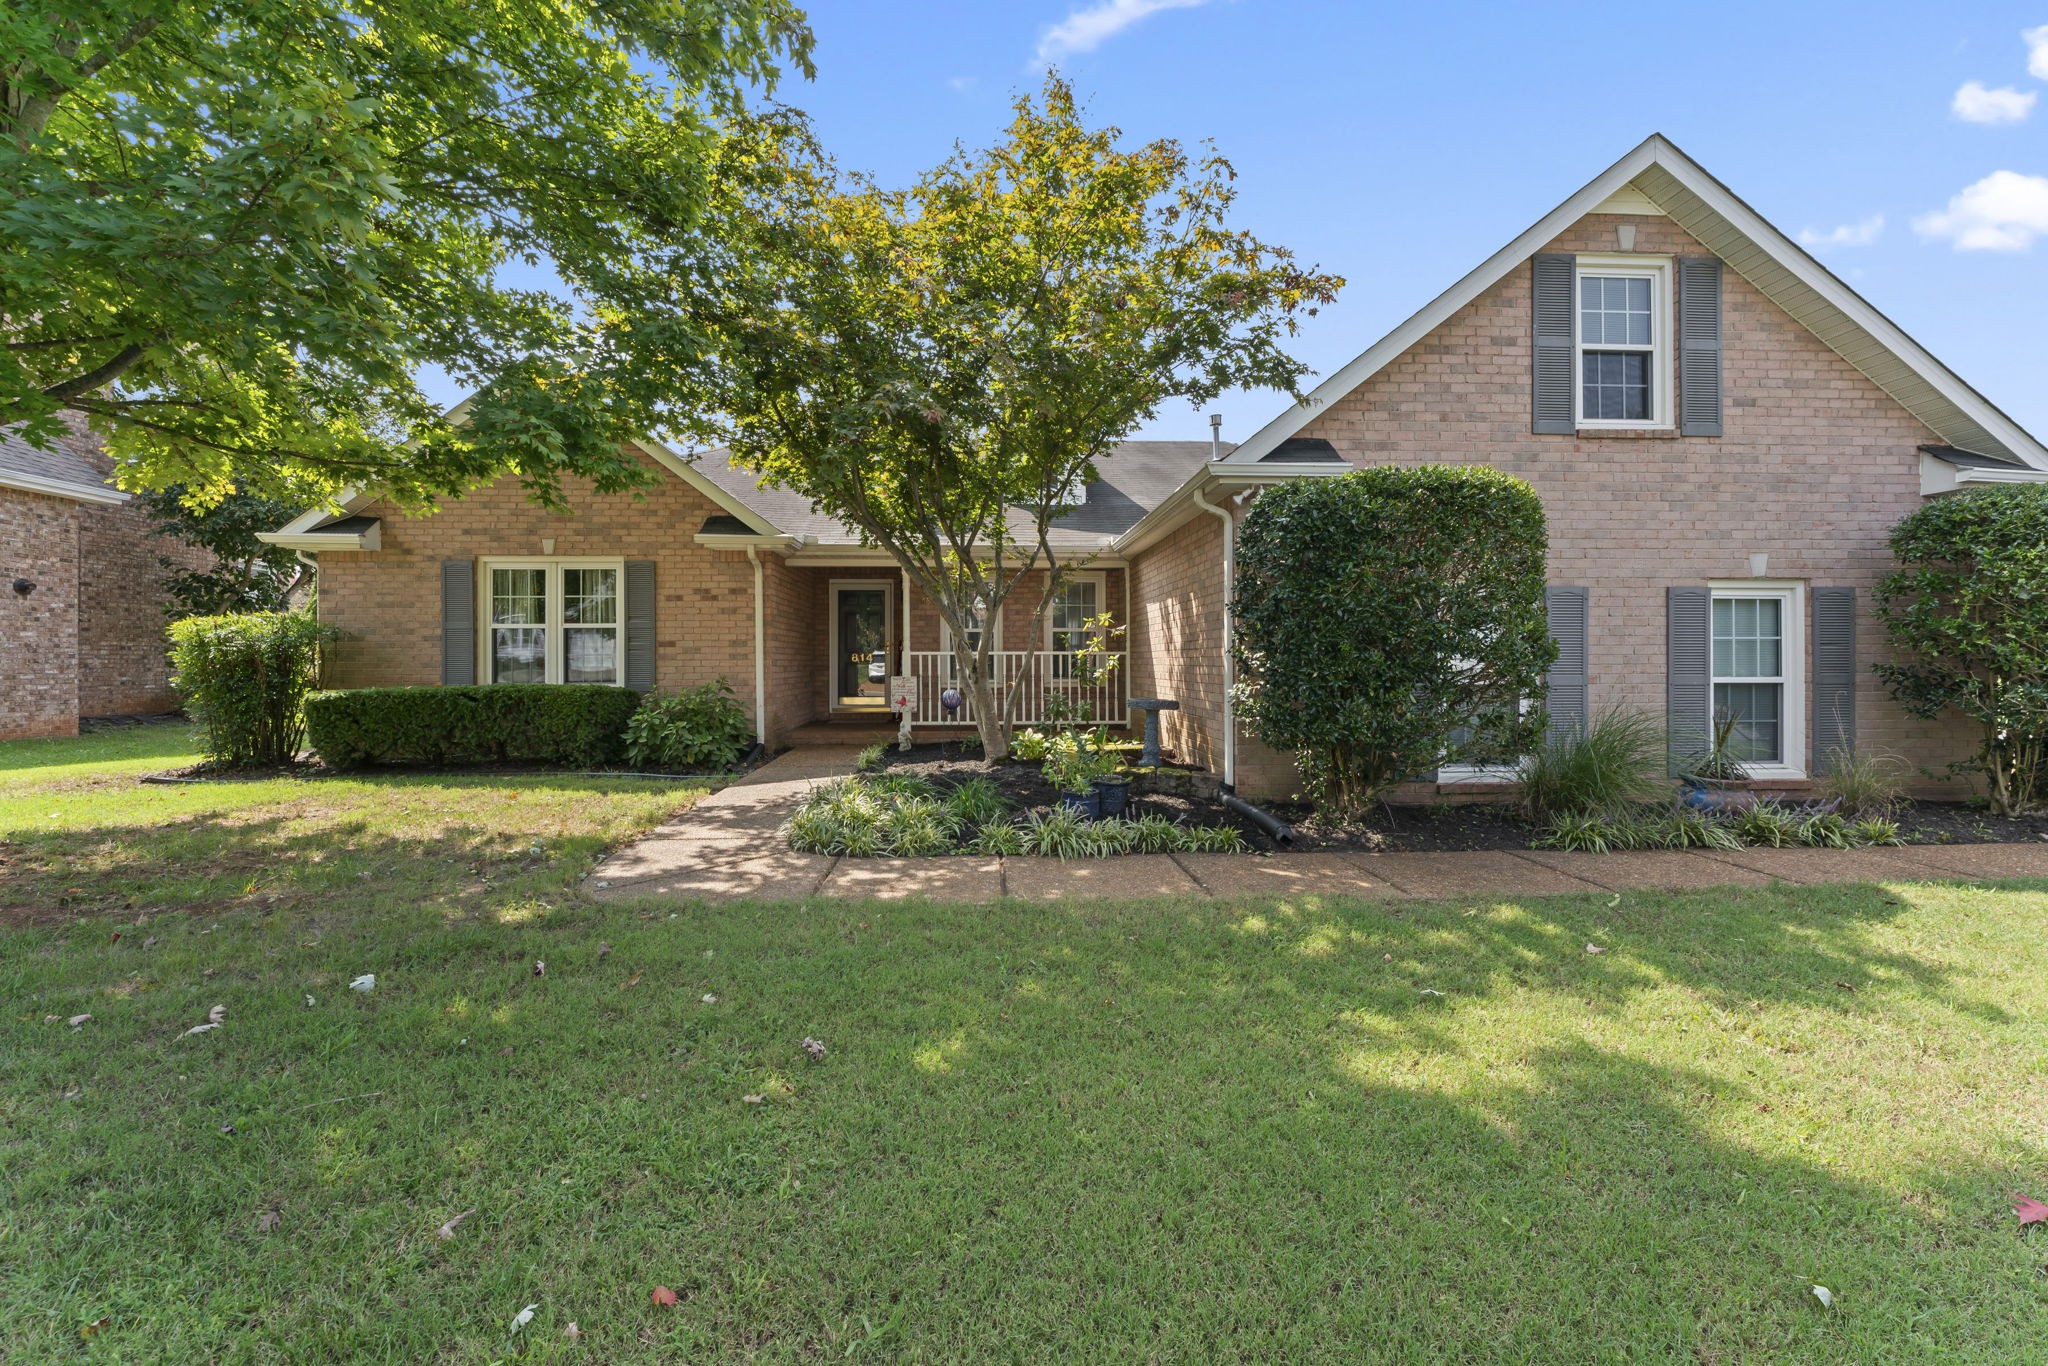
(1390, 621)
(246, 575)
(1968, 607)
(941, 367)
(232, 232)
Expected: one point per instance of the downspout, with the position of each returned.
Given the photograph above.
(760, 649)
(1229, 579)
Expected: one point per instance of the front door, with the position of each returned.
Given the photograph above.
(861, 646)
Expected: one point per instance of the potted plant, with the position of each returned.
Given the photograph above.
(1071, 770)
(1112, 787)
(1714, 779)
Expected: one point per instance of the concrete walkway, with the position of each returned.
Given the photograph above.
(725, 848)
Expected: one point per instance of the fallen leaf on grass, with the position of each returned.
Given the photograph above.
(572, 1332)
(91, 1330)
(2029, 1211)
(447, 1230)
(815, 1048)
(1431, 991)
(665, 1296)
(540, 968)
(366, 982)
(1614, 900)
(603, 951)
(710, 999)
(1594, 948)
(268, 1220)
(752, 1100)
(632, 981)
(1825, 1296)
(523, 1317)
(76, 1020)
(213, 1021)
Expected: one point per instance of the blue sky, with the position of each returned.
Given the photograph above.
(1399, 145)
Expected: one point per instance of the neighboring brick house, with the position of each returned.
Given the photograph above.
(1722, 434)
(82, 603)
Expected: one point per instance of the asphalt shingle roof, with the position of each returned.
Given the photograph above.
(1135, 478)
(74, 460)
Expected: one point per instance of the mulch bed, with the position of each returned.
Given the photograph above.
(1404, 829)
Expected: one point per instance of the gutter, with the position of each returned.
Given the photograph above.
(1229, 662)
(61, 488)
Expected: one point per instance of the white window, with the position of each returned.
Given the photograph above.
(1067, 631)
(1620, 329)
(1757, 660)
(553, 621)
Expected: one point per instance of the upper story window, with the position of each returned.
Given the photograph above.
(553, 621)
(1623, 319)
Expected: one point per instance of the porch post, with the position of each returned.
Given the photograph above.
(903, 727)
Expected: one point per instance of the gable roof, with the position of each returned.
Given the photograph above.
(1132, 480)
(64, 471)
(1658, 174)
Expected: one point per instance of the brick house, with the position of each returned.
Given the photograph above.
(1722, 434)
(82, 604)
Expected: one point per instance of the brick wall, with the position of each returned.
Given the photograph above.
(38, 630)
(123, 669)
(1815, 466)
(388, 601)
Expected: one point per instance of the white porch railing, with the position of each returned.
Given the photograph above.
(1093, 689)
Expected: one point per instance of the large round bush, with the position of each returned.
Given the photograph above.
(1390, 621)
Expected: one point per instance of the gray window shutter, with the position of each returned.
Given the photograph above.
(640, 625)
(1834, 676)
(1688, 687)
(458, 622)
(1699, 346)
(1551, 279)
(1566, 681)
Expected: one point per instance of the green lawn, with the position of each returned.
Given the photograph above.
(1154, 1132)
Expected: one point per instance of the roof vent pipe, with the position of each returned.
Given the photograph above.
(1215, 436)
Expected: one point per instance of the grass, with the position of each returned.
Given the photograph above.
(78, 833)
(1297, 1129)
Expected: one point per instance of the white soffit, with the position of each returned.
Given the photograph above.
(1629, 199)
(1778, 267)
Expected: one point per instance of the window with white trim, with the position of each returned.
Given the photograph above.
(553, 621)
(1078, 601)
(1756, 643)
(1621, 329)
(976, 624)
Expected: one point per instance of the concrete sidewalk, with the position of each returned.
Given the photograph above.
(725, 848)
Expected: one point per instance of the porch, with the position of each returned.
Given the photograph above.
(839, 635)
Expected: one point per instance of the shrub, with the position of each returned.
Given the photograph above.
(245, 679)
(1876, 830)
(917, 827)
(1154, 834)
(975, 803)
(1028, 745)
(1769, 823)
(581, 725)
(703, 727)
(999, 838)
(1390, 621)
(899, 785)
(870, 758)
(1580, 832)
(1864, 783)
(1618, 759)
(1689, 828)
(1058, 833)
(1209, 839)
(1967, 608)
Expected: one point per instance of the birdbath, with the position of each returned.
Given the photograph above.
(1151, 706)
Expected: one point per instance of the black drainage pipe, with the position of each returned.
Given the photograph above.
(1277, 830)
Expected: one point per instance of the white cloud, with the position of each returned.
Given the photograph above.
(960, 82)
(2005, 211)
(1978, 103)
(1847, 235)
(1087, 29)
(2036, 40)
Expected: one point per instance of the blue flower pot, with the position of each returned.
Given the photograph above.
(1086, 804)
(1112, 795)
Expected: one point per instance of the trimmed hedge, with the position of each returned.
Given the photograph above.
(580, 725)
